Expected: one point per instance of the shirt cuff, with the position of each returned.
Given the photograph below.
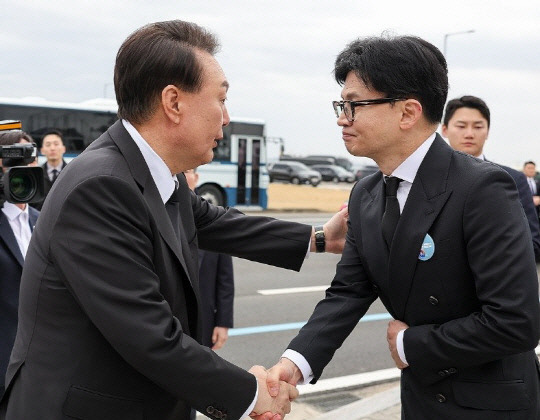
(400, 346)
(302, 364)
(308, 249)
(252, 405)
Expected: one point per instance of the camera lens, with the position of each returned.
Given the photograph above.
(22, 185)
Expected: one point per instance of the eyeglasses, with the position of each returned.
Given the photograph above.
(348, 106)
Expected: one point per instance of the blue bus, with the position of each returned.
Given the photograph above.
(236, 177)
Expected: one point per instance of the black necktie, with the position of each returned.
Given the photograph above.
(173, 209)
(391, 211)
(54, 175)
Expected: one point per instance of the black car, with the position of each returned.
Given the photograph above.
(293, 172)
(364, 170)
(334, 173)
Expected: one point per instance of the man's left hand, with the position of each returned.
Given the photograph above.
(394, 327)
(219, 336)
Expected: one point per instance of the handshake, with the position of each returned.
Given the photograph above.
(276, 390)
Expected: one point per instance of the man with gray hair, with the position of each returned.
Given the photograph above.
(109, 323)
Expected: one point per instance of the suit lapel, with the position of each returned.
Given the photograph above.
(187, 230)
(426, 199)
(201, 258)
(8, 237)
(141, 174)
(374, 247)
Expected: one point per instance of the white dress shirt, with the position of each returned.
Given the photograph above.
(20, 225)
(166, 184)
(161, 174)
(407, 172)
(532, 185)
(50, 170)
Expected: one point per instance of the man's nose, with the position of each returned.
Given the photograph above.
(342, 120)
(226, 117)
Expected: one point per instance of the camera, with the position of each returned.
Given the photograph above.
(21, 184)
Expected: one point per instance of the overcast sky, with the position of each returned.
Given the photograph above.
(278, 56)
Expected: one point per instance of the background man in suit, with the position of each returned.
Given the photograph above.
(216, 283)
(53, 148)
(109, 306)
(16, 225)
(452, 269)
(529, 169)
(466, 125)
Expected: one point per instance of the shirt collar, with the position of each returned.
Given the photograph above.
(52, 168)
(12, 211)
(160, 172)
(409, 167)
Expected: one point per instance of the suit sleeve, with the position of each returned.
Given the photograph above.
(224, 292)
(346, 301)
(256, 238)
(103, 246)
(497, 243)
(525, 196)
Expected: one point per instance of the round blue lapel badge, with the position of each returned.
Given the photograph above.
(428, 249)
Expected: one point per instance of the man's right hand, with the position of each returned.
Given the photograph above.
(284, 370)
(271, 407)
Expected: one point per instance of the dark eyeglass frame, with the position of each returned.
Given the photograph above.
(339, 106)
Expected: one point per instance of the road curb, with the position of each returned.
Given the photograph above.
(351, 381)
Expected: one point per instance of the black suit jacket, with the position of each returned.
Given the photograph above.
(537, 193)
(109, 304)
(11, 264)
(47, 183)
(472, 308)
(525, 196)
(216, 283)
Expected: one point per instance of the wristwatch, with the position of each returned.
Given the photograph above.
(319, 239)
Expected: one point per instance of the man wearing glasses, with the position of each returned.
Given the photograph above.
(438, 236)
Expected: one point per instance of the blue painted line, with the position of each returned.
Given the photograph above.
(294, 326)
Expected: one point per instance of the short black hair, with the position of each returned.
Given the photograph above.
(10, 137)
(154, 56)
(529, 162)
(467, 101)
(399, 67)
(55, 132)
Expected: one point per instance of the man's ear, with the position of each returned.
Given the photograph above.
(411, 113)
(444, 131)
(171, 98)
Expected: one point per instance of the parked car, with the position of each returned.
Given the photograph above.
(293, 172)
(334, 173)
(308, 160)
(339, 161)
(364, 170)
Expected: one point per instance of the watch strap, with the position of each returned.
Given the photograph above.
(320, 241)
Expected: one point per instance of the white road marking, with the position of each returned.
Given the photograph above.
(289, 290)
